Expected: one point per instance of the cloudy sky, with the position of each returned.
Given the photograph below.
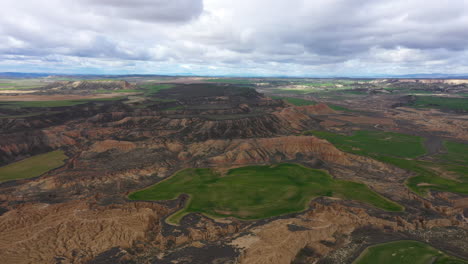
(235, 37)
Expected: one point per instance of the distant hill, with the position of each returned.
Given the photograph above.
(110, 76)
(22, 75)
(430, 76)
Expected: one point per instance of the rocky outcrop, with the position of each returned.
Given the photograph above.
(89, 85)
(278, 243)
(29, 143)
(106, 145)
(265, 150)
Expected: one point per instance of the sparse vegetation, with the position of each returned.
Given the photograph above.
(33, 166)
(256, 192)
(405, 252)
(295, 101)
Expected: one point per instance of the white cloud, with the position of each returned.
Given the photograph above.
(297, 37)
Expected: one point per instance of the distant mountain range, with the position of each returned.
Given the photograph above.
(430, 76)
(406, 76)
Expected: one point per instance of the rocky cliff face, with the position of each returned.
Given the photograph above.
(71, 86)
(265, 151)
(279, 241)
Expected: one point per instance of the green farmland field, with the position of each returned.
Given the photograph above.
(376, 143)
(118, 91)
(456, 152)
(58, 103)
(256, 192)
(445, 103)
(401, 151)
(154, 88)
(232, 81)
(295, 101)
(405, 252)
(33, 166)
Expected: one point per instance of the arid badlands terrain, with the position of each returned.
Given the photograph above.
(251, 171)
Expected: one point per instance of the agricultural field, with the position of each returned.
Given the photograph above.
(295, 101)
(19, 84)
(401, 151)
(455, 152)
(57, 103)
(20, 104)
(118, 91)
(33, 166)
(444, 103)
(371, 143)
(154, 88)
(405, 252)
(256, 192)
(232, 81)
(340, 108)
(429, 179)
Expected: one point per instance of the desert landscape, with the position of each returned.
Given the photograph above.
(233, 170)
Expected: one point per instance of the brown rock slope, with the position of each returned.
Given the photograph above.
(44, 233)
(267, 150)
(279, 241)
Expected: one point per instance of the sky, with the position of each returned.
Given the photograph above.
(309, 38)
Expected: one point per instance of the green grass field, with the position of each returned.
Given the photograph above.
(154, 88)
(295, 101)
(58, 103)
(256, 192)
(405, 252)
(340, 108)
(445, 103)
(317, 84)
(20, 104)
(118, 91)
(33, 166)
(231, 81)
(427, 178)
(456, 152)
(369, 143)
(18, 84)
(401, 150)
